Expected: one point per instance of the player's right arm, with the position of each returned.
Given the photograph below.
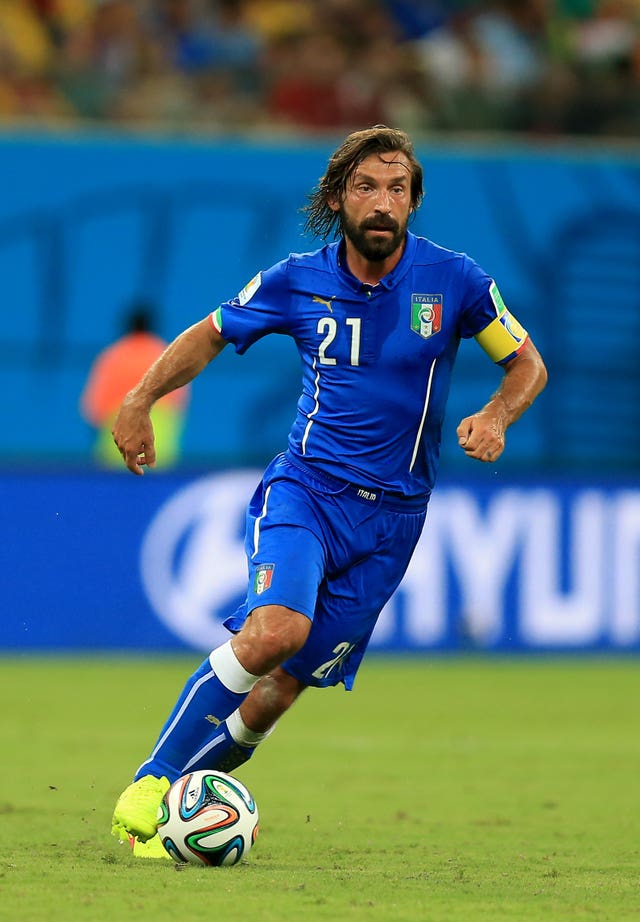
(179, 364)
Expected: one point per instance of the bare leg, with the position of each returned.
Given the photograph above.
(269, 699)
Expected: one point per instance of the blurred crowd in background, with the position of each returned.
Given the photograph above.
(544, 67)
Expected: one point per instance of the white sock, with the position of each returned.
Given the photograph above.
(241, 732)
(230, 671)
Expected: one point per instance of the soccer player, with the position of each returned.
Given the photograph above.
(377, 316)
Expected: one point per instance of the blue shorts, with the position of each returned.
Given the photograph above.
(334, 552)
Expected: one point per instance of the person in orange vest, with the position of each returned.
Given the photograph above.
(113, 373)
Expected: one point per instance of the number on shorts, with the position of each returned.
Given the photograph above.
(342, 650)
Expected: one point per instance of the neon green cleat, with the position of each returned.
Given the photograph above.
(152, 848)
(136, 812)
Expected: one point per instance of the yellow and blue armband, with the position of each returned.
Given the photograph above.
(504, 337)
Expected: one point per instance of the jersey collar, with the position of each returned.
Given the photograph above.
(390, 280)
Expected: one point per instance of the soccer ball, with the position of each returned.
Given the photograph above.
(207, 817)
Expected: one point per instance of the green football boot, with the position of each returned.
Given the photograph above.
(152, 848)
(136, 812)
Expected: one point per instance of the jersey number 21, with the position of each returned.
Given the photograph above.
(328, 326)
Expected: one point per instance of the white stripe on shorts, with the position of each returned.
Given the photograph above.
(256, 525)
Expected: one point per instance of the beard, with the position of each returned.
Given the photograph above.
(374, 249)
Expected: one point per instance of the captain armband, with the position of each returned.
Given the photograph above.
(504, 337)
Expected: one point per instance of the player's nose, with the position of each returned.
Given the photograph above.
(383, 203)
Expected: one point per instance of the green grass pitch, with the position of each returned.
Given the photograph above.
(439, 789)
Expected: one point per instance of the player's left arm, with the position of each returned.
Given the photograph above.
(482, 435)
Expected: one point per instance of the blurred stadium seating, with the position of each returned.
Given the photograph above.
(538, 67)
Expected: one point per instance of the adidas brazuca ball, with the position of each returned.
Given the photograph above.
(207, 817)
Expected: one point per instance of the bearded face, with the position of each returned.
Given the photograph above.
(376, 237)
(376, 205)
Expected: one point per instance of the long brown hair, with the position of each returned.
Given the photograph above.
(321, 221)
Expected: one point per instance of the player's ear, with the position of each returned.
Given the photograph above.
(333, 202)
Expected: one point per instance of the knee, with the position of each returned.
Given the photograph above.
(270, 635)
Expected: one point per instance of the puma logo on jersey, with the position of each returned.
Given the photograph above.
(328, 304)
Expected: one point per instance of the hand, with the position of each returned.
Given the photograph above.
(481, 436)
(133, 434)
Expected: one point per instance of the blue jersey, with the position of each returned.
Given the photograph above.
(376, 360)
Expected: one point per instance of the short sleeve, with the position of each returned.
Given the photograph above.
(486, 317)
(261, 307)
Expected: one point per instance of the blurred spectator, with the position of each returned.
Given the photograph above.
(276, 19)
(27, 87)
(317, 86)
(105, 57)
(59, 17)
(605, 52)
(113, 373)
(229, 87)
(339, 68)
(197, 37)
(415, 18)
(486, 63)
